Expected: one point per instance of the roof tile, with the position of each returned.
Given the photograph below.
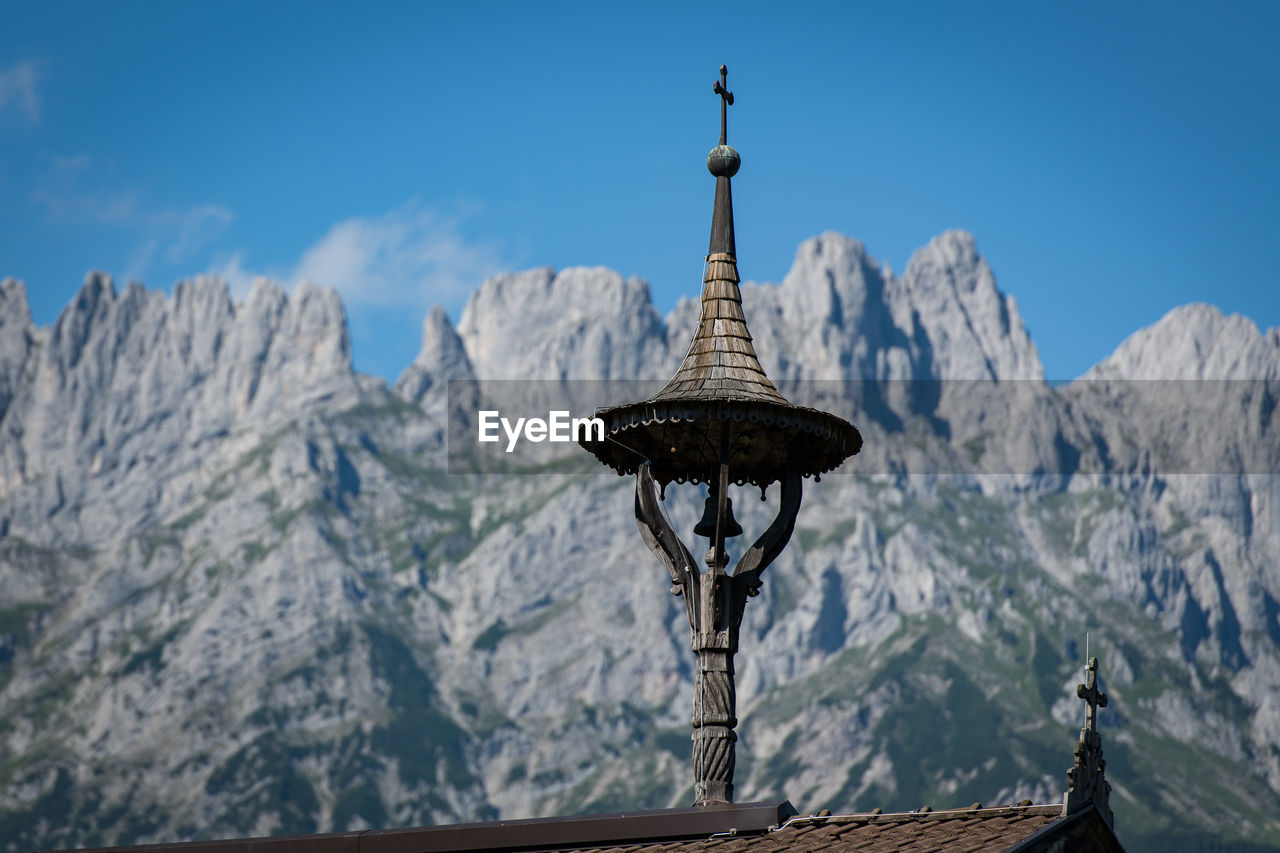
(722, 329)
(953, 832)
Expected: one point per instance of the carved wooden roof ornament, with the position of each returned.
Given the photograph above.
(1087, 784)
(719, 420)
(721, 381)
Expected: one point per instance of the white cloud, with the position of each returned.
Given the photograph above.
(135, 268)
(240, 279)
(69, 205)
(410, 257)
(389, 269)
(18, 89)
(173, 235)
(190, 230)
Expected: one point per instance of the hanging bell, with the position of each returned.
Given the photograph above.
(706, 526)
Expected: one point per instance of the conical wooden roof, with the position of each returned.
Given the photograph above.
(719, 383)
(721, 363)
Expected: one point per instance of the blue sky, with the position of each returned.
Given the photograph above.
(1113, 160)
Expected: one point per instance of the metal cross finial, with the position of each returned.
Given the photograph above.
(1092, 696)
(726, 100)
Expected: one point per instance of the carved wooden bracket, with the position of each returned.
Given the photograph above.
(714, 604)
(745, 581)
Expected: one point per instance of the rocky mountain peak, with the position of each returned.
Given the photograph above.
(17, 339)
(72, 329)
(578, 323)
(128, 379)
(831, 274)
(312, 340)
(1195, 341)
(837, 315)
(949, 294)
(841, 315)
(828, 319)
(954, 248)
(442, 357)
(13, 298)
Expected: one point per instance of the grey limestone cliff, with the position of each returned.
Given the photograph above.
(1195, 342)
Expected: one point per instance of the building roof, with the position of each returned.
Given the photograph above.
(745, 828)
(1016, 829)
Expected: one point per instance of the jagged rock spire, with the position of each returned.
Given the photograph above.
(1087, 783)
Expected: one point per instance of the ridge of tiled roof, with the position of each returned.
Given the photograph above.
(744, 828)
(619, 830)
(971, 830)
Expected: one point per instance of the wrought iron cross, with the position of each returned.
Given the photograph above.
(726, 100)
(1092, 696)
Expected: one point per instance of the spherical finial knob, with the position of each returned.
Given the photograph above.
(723, 161)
